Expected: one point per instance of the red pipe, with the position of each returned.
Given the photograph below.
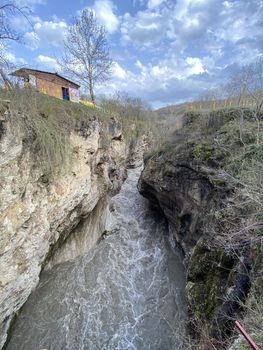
(246, 336)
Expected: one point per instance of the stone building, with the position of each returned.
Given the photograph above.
(49, 83)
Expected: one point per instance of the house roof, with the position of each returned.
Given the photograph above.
(24, 72)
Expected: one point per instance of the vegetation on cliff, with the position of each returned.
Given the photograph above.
(207, 179)
(47, 123)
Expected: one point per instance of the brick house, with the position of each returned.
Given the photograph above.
(49, 83)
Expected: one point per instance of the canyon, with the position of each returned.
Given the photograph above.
(87, 262)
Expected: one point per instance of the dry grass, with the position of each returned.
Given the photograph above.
(227, 145)
(47, 123)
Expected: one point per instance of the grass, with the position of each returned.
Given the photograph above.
(232, 143)
(227, 144)
(47, 122)
(253, 320)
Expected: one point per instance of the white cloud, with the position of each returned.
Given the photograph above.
(118, 72)
(154, 3)
(9, 57)
(173, 67)
(14, 59)
(46, 34)
(181, 21)
(32, 40)
(195, 66)
(146, 28)
(171, 79)
(22, 24)
(49, 62)
(104, 10)
(200, 41)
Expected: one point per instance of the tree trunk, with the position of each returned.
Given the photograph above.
(7, 82)
(91, 92)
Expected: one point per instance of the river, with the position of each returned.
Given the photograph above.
(125, 293)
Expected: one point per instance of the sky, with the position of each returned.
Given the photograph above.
(163, 51)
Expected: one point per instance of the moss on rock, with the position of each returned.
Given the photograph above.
(208, 181)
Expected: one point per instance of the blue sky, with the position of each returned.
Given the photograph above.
(164, 51)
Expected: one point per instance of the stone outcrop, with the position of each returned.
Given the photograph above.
(38, 212)
(185, 180)
(137, 149)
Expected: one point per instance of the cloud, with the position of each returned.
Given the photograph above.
(118, 72)
(49, 62)
(181, 21)
(23, 24)
(195, 66)
(11, 58)
(8, 57)
(172, 67)
(145, 28)
(193, 21)
(154, 3)
(184, 22)
(188, 45)
(104, 10)
(46, 34)
(171, 79)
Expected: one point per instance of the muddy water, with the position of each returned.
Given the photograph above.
(126, 293)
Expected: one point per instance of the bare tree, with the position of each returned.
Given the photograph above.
(133, 108)
(246, 86)
(86, 52)
(6, 11)
(8, 34)
(245, 89)
(253, 74)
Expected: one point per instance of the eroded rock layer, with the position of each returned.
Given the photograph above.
(207, 211)
(39, 211)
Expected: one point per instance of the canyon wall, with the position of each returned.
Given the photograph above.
(191, 181)
(39, 210)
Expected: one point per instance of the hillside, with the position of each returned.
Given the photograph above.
(172, 115)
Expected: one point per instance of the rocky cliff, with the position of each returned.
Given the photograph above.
(195, 179)
(39, 210)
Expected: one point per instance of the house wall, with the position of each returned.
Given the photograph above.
(52, 86)
(49, 88)
(74, 94)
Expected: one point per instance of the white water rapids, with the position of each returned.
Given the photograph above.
(125, 293)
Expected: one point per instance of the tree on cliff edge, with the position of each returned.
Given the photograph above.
(86, 55)
(9, 9)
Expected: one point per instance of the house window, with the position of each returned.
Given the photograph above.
(65, 93)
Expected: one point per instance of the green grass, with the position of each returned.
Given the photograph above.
(47, 122)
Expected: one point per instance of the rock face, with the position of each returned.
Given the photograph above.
(194, 195)
(38, 212)
(137, 150)
(183, 193)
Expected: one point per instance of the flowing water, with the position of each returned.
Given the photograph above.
(126, 293)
